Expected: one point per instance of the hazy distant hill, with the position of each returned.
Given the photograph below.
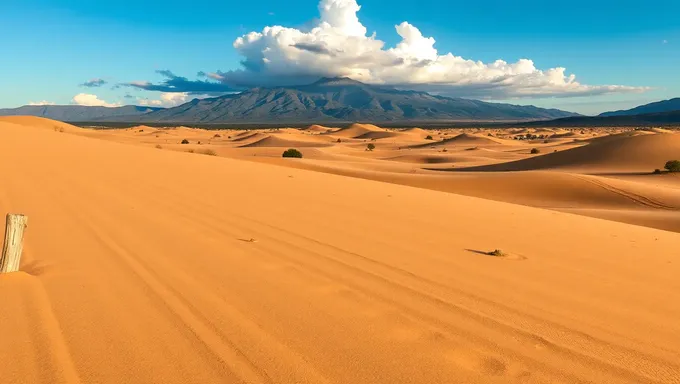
(75, 113)
(644, 120)
(342, 99)
(657, 107)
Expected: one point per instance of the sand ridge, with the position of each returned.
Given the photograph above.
(139, 268)
(469, 162)
(121, 283)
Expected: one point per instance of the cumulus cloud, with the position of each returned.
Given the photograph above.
(179, 84)
(94, 83)
(170, 99)
(90, 100)
(41, 103)
(338, 45)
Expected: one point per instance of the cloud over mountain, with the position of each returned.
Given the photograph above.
(174, 83)
(91, 101)
(167, 99)
(338, 46)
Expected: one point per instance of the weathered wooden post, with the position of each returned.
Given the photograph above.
(14, 243)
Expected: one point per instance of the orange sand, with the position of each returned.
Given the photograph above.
(145, 265)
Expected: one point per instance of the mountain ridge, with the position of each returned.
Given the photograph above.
(342, 99)
(655, 107)
(77, 113)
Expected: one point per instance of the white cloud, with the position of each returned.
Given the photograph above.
(90, 100)
(664, 42)
(338, 45)
(41, 103)
(169, 99)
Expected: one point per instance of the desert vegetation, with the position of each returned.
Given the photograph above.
(672, 166)
(292, 152)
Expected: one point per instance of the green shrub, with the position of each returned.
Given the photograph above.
(292, 152)
(185, 141)
(370, 146)
(535, 151)
(672, 166)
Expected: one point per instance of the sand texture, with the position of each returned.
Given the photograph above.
(155, 265)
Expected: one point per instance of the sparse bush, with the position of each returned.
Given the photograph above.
(199, 142)
(657, 171)
(545, 141)
(370, 146)
(428, 137)
(535, 151)
(672, 166)
(185, 141)
(496, 252)
(292, 152)
(158, 146)
(216, 136)
(338, 141)
(191, 151)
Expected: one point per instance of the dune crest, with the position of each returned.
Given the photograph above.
(154, 265)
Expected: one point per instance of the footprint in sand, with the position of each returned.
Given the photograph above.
(479, 363)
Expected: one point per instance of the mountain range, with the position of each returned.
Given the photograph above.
(77, 113)
(656, 107)
(327, 100)
(641, 120)
(343, 99)
(340, 100)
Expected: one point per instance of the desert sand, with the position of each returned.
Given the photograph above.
(603, 172)
(144, 263)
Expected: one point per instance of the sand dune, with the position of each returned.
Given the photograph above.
(279, 142)
(356, 130)
(138, 268)
(636, 153)
(318, 129)
(461, 139)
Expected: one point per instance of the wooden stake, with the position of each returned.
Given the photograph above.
(14, 243)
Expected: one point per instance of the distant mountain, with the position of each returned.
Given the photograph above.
(657, 107)
(644, 120)
(76, 113)
(341, 99)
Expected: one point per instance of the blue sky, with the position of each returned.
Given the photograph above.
(50, 48)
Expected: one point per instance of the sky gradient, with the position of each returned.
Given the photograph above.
(165, 53)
